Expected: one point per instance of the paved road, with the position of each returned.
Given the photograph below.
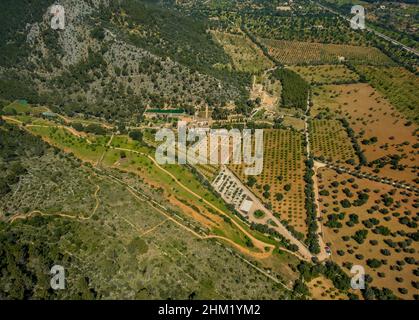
(303, 251)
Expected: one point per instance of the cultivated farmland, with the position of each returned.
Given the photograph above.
(326, 74)
(294, 52)
(246, 56)
(281, 184)
(330, 141)
(398, 85)
(388, 140)
(372, 225)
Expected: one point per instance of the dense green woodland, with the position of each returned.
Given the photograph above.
(295, 89)
(14, 15)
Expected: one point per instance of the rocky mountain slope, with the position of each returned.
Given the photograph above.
(113, 59)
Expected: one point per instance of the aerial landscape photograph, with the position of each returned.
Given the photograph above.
(209, 150)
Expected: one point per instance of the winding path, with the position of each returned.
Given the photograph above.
(257, 243)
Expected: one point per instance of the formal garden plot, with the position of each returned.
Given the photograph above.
(329, 141)
(281, 184)
(246, 56)
(295, 52)
(372, 225)
(389, 141)
(326, 74)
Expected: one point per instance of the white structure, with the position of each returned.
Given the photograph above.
(246, 205)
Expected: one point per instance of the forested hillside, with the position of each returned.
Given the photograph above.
(114, 59)
(15, 15)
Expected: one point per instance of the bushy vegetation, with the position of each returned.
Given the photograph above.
(184, 39)
(357, 148)
(330, 270)
(311, 221)
(15, 143)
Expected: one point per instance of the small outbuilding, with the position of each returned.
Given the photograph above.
(246, 205)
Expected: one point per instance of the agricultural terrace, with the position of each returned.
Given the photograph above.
(372, 225)
(326, 74)
(246, 56)
(329, 140)
(281, 183)
(294, 52)
(388, 140)
(398, 85)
